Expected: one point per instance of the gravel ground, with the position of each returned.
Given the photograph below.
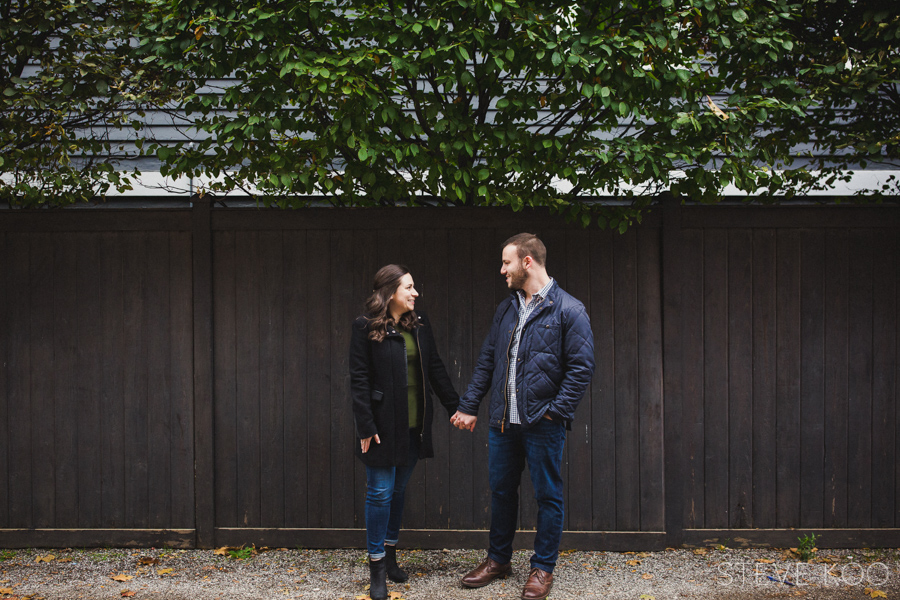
(70, 574)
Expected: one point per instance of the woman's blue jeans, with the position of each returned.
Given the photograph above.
(541, 448)
(385, 494)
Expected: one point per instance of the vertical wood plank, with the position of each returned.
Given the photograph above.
(65, 416)
(673, 310)
(136, 289)
(603, 388)
(319, 384)
(198, 439)
(296, 398)
(112, 376)
(271, 379)
(884, 377)
(464, 345)
(650, 379)
(438, 470)
(5, 310)
(765, 438)
(693, 349)
(788, 378)
(578, 482)
(716, 402)
(188, 421)
(740, 378)
(225, 368)
(43, 380)
(343, 309)
(89, 379)
(812, 378)
(859, 380)
(836, 371)
(626, 377)
(247, 364)
(159, 385)
(19, 382)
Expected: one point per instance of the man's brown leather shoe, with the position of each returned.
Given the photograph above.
(485, 573)
(538, 585)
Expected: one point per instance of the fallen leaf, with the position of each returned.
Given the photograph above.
(643, 554)
(647, 576)
(7, 591)
(396, 596)
(768, 561)
(164, 571)
(223, 551)
(647, 597)
(148, 560)
(128, 593)
(122, 577)
(361, 598)
(47, 558)
(699, 551)
(633, 562)
(875, 593)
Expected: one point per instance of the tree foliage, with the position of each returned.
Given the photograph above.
(482, 102)
(69, 80)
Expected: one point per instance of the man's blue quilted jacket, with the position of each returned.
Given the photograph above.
(556, 355)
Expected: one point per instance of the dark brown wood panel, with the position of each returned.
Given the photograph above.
(602, 401)
(741, 421)
(693, 352)
(884, 378)
(650, 380)
(5, 285)
(836, 405)
(812, 378)
(225, 390)
(763, 379)
(715, 377)
(788, 378)
(296, 398)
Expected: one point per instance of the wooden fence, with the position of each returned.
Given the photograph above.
(179, 376)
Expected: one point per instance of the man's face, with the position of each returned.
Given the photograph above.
(512, 268)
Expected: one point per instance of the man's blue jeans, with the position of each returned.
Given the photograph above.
(385, 495)
(541, 447)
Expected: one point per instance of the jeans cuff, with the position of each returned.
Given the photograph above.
(543, 567)
(391, 542)
(376, 556)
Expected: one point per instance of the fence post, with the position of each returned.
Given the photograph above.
(672, 370)
(204, 491)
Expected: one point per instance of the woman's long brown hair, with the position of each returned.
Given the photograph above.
(387, 280)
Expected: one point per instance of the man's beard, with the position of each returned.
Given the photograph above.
(517, 280)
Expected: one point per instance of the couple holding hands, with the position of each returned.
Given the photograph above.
(535, 364)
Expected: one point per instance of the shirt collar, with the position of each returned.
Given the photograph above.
(540, 295)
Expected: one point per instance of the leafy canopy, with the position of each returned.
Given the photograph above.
(480, 102)
(69, 85)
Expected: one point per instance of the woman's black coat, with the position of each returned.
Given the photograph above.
(378, 384)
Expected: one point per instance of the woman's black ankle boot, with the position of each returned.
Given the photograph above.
(395, 573)
(377, 580)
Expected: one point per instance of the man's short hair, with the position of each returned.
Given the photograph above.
(528, 244)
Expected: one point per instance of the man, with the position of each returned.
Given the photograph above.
(536, 362)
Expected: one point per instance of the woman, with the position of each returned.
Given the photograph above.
(394, 368)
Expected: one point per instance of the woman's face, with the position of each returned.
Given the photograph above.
(404, 297)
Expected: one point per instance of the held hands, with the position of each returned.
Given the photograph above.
(364, 443)
(463, 421)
